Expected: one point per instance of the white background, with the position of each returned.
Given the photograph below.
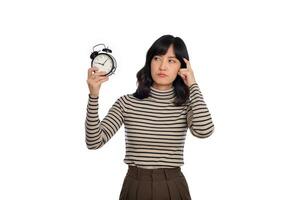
(244, 54)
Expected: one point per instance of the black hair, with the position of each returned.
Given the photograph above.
(160, 47)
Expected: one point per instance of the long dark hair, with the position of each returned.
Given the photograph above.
(160, 47)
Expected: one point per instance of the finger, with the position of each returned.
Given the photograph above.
(91, 70)
(103, 80)
(180, 74)
(99, 72)
(185, 60)
(188, 64)
(96, 75)
(183, 71)
(183, 75)
(100, 78)
(183, 78)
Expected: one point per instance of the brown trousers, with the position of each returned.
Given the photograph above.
(154, 184)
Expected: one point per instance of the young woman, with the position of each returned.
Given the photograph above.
(156, 116)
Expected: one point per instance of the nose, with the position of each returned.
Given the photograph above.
(163, 64)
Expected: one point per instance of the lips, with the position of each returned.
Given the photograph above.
(161, 74)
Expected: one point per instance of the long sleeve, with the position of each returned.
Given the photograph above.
(99, 132)
(198, 116)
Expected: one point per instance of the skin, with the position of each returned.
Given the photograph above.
(95, 79)
(170, 65)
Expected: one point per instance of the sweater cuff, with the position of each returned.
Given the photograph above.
(193, 85)
(93, 97)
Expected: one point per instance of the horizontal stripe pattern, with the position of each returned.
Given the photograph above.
(155, 129)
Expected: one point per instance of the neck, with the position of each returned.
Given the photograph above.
(162, 94)
(162, 87)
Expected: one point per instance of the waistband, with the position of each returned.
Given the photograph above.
(154, 174)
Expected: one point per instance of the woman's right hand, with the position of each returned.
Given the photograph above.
(95, 80)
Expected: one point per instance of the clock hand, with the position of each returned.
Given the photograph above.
(100, 63)
(105, 61)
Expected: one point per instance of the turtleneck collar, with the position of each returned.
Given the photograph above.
(164, 95)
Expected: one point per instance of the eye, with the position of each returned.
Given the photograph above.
(156, 58)
(172, 61)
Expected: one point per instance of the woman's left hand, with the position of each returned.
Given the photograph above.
(187, 73)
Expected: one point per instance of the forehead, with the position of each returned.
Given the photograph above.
(170, 52)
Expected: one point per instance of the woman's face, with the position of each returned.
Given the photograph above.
(166, 64)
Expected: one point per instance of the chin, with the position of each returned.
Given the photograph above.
(162, 81)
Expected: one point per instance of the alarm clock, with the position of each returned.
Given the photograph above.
(103, 60)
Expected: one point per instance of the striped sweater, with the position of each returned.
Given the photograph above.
(155, 129)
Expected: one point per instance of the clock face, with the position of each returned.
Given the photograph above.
(103, 62)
